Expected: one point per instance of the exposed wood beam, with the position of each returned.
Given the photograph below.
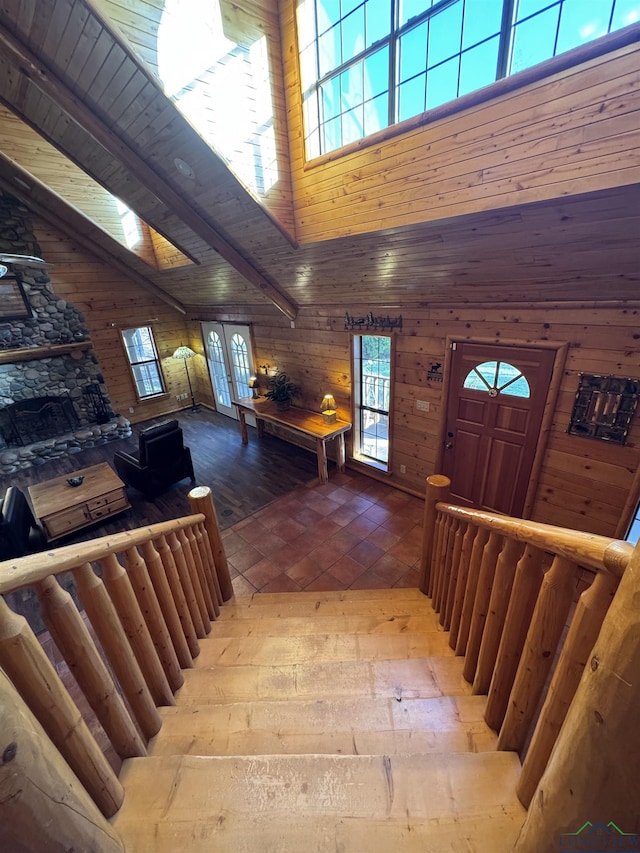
(50, 85)
(46, 203)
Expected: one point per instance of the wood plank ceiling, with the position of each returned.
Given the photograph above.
(74, 79)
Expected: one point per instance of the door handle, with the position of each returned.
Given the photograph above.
(448, 445)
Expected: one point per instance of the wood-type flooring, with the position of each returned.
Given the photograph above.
(243, 478)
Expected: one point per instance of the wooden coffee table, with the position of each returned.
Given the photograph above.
(64, 509)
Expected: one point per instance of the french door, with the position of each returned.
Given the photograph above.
(230, 361)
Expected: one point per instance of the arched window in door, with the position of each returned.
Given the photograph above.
(241, 366)
(497, 377)
(218, 369)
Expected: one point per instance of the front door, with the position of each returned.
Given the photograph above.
(495, 406)
(230, 360)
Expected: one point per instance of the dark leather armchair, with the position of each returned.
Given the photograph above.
(162, 460)
(20, 533)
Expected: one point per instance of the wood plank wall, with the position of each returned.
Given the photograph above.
(105, 296)
(584, 483)
(574, 132)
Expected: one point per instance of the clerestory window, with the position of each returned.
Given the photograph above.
(368, 64)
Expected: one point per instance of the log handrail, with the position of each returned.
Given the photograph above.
(586, 549)
(26, 571)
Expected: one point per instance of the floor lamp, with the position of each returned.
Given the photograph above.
(187, 353)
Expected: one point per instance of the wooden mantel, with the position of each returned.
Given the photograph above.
(12, 356)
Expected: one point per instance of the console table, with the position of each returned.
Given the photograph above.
(297, 421)
(64, 509)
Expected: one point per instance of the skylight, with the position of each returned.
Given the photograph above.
(221, 84)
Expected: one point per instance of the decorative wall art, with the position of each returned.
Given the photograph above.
(603, 407)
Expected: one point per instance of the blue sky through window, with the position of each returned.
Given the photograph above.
(377, 62)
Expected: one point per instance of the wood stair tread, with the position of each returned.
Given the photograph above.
(321, 803)
(279, 605)
(254, 624)
(416, 678)
(348, 726)
(271, 598)
(320, 648)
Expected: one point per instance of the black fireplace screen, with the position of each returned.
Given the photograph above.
(27, 421)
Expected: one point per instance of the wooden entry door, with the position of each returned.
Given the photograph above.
(496, 401)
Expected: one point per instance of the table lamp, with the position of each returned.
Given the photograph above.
(328, 409)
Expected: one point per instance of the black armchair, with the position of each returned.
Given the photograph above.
(162, 460)
(20, 533)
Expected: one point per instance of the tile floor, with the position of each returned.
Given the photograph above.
(350, 533)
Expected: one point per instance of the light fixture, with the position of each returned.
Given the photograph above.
(187, 353)
(328, 409)
(184, 168)
(253, 384)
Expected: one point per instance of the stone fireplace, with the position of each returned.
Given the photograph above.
(53, 399)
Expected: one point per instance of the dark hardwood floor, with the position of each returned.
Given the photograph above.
(243, 478)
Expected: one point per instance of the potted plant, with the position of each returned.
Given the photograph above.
(282, 390)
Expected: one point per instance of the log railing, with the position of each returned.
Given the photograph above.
(149, 595)
(504, 588)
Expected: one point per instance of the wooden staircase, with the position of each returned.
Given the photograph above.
(348, 722)
(339, 722)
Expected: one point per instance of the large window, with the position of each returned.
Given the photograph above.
(367, 64)
(143, 359)
(372, 393)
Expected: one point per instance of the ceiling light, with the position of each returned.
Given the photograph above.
(184, 168)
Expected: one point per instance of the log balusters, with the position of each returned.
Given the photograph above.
(471, 587)
(547, 624)
(490, 554)
(188, 587)
(43, 807)
(506, 613)
(599, 738)
(108, 627)
(437, 556)
(448, 541)
(461, 583)
(498, 604)
(206, 553)
(147, 620)
(120, 585)
(591, 609)
(523, 598)
(454, 568)
(25, 662)
(72, 637)
(201, 501)
(178, 595)
(170, 614)
(437, 490)
(213, 608)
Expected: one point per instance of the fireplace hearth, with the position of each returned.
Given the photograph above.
(27, 421)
